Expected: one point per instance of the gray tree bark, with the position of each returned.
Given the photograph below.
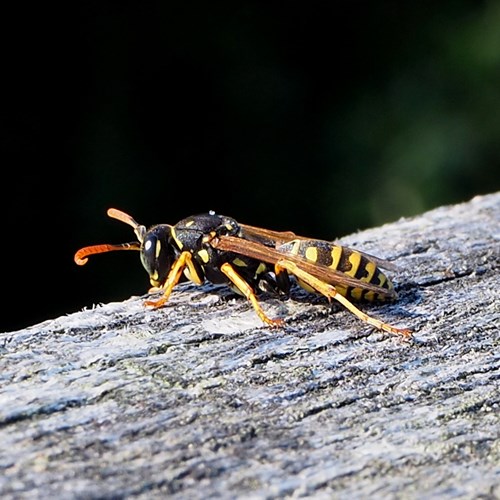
(199, 399)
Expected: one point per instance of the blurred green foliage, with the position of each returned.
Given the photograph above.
(320, 118)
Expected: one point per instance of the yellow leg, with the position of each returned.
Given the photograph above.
(247, 291)
(185, 259)
(329, 291)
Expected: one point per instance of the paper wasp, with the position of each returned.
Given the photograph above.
(216, 248)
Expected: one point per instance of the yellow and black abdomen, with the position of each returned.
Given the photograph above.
(345, 260)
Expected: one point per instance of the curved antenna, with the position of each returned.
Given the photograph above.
(139, 230)
(81, 256)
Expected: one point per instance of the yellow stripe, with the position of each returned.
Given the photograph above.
(355, 260)
(336, 255)
(238, 262)
(382, 278)
(203, 254)
(312, 254)
(261, 269)
(295, 247)
(174, 236)
(209, 237)
(370, 269)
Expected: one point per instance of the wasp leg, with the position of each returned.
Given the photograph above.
(184, 260)
(330, 292)
(247, 291)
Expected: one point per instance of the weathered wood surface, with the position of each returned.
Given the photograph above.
(200, 400)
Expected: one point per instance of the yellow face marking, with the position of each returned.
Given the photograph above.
(355, 260)
(240, 263)
(158, 248)
(336, 254)
(204, 255)
(174, 236)
(189, 223)
(312, 254)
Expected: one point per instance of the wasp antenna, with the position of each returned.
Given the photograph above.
(139, 230)
(114, 213)
(81, 256)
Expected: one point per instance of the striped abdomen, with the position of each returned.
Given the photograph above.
(345, 260)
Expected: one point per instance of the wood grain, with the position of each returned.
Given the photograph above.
(200, 400)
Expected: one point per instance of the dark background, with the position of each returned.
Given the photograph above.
(318, 117)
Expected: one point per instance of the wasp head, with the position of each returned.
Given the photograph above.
(157, 255)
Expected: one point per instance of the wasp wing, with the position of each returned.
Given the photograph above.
(267, 237)
(271, 238)
(261, 252)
